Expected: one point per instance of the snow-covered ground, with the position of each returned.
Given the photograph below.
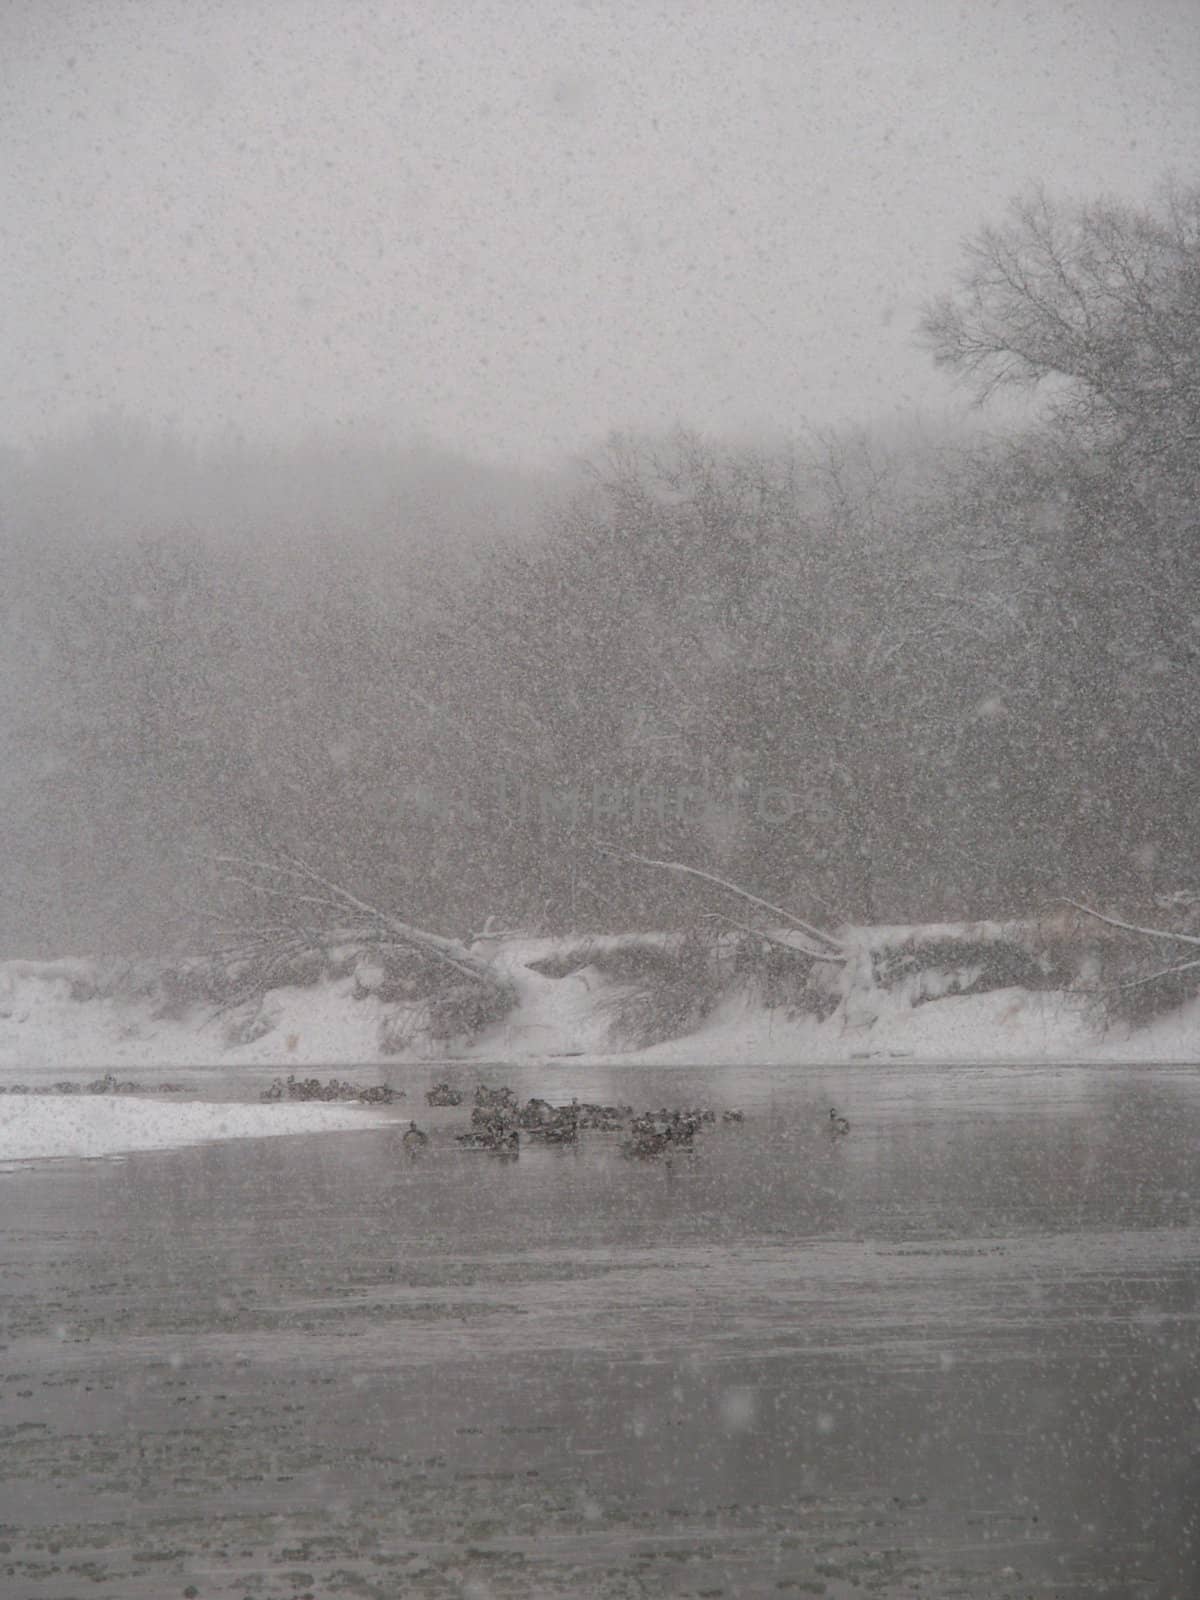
(46, 1029)
(1014, 1025)
(38, 1127)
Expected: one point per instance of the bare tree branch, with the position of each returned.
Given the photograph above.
(774, 939)
(339, 899)
(1165, 972)
(1131, 927)
(825, 939)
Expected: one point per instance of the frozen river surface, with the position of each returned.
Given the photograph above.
(954, 1354)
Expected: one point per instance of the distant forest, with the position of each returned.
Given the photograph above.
(868, 677)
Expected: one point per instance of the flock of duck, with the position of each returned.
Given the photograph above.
(108, 1084)
(293, 1088)
(499, 1122)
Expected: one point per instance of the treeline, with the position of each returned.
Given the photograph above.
(867, 678)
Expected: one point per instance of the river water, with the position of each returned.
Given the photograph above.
(955, 1353)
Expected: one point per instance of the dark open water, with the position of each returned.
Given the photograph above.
(955, 1354)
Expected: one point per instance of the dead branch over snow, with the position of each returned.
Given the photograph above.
(1143, 980)
(1132, 927)
(338, 916)
(775, 940)
(1164, 972)
(836, 948)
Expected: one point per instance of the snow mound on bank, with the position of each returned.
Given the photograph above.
(43, 1020)
(901, 997)
(38, 1127)
(1005, 1025)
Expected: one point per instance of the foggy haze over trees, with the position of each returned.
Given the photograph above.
(893, 675)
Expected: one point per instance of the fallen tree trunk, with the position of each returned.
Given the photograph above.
(333, 915)
(832, 949)
(1132, 927)
(774, 940)
(1166, 934)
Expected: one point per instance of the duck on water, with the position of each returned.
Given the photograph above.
(498, 1120)
(497, 1141)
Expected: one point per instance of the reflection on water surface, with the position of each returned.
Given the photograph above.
(954, 1353)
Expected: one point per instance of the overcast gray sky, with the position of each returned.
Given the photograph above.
(515, 224)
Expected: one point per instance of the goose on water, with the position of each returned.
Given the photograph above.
(496, 1141)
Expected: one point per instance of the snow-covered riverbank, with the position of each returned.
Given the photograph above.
(73, 1015)
(41, 1127)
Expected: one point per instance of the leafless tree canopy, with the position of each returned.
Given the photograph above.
(860, 677)
(1100, 300)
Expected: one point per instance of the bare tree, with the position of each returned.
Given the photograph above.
(1101, 301)
(1098, 305)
